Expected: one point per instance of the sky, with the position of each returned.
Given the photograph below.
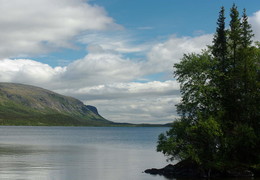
(117, 55)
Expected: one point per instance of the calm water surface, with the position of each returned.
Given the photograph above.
(79, 153)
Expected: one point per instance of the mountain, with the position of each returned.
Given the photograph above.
(29, 105)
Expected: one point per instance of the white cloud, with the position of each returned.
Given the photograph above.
(90, 71)
(37, 26)
(163, 55)
(126, 101)
(139, 109)
(255, 22)
(101, 68)
(124, 90)
(29, 72)
(132, 102)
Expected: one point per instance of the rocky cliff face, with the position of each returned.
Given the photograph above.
(29, 105)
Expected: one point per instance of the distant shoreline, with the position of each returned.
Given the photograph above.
(110, 125)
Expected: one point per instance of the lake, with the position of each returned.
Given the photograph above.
(79, 153)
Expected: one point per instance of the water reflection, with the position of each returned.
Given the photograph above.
(66, 154)
(70, 162)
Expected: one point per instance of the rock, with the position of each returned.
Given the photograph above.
(189, 169)
(181, 169)
(153, 171)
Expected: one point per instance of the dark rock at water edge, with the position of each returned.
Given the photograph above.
(189, 169)
(181, 169)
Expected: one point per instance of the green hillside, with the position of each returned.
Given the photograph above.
(29, 105)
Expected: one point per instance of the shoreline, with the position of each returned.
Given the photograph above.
(188, 169)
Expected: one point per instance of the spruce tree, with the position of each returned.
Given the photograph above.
(247, 32)
(219, 48)
(232, 100)
(234, 33)
(219, 51)
(248, 74)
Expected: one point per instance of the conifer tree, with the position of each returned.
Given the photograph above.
(247, 32)
(234, 33)
(219, 51)
(232, 98)
(219, 48)
(248, 75)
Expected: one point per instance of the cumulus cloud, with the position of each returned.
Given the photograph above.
(101, 68)
(132, 102)
(163, 55)
(28, 72)
(37, 26)
(139, 109)
(124, 90)
(89, 71)
(255, 22)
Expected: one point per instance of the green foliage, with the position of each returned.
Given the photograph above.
(220, 107)
(32, 106)
(173, 143)
(16, 114)
(242, 144)
(193, 73)
(184, 141)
